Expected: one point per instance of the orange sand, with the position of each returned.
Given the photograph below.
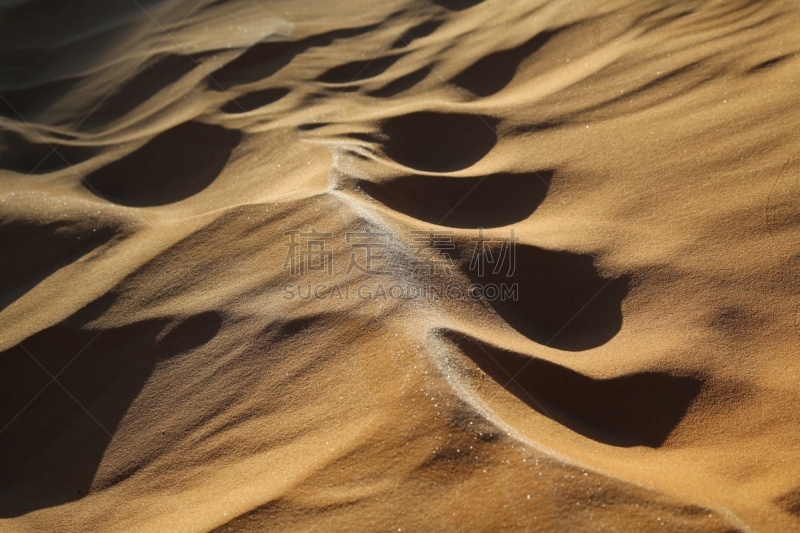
(162, 370)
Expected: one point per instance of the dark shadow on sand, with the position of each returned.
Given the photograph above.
(638, 409)
(479, 202)
(50, 450)
(172, 166)
(563, 301)
(438, 142)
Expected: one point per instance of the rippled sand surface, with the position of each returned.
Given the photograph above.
(213, 214)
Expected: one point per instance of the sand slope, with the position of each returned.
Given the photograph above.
(161, 368)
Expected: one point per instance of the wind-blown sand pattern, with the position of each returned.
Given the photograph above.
(163, 370)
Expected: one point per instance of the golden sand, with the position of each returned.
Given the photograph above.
(213, 214)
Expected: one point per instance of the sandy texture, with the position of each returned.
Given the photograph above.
(163, 370)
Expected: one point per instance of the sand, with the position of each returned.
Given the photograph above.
(459, 265)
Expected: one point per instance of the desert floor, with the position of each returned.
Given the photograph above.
(399, 265)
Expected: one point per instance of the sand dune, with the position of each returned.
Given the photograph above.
(457, 265)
